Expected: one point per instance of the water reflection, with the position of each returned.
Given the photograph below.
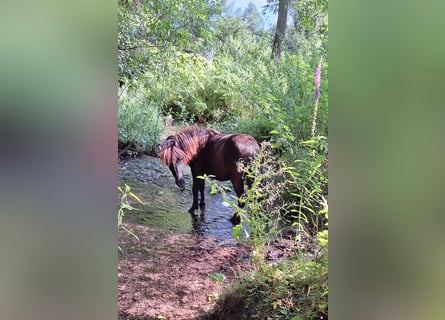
(198, 222)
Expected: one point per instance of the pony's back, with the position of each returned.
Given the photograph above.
(185, 144)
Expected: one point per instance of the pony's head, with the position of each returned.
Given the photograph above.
(173, 157)
(180, 149)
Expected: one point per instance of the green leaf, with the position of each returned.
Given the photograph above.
(237, 232)
(128, 207)
(277, 145)
(130, 232)
(213, 190)
(217, 277)
(308, 142)
(136, 197)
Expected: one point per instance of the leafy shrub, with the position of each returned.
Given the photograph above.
(139, 119)
(290, 106)
(296, 195)
(294, 289)
(288, 290)
(277, 101)
(258, 127)
(307, 191)
(200, 90)
(263, 205)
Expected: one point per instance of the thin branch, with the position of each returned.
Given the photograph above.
(127, 49)
(317, 79)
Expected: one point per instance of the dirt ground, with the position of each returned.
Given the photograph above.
(166, 275)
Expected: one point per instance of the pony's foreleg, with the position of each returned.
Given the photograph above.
(202, 203)
(195, 188)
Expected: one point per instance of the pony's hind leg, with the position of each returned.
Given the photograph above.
(238, 185)
(235, 219)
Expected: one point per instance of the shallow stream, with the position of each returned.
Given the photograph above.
(166, 206)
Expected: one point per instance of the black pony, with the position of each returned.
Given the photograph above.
(208, 152)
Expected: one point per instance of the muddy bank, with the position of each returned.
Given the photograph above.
(165, 275)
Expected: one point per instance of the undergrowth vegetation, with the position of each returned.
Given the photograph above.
(284, 201)
(206, 62)
(139, 119)
(126, 194)
(296, 289)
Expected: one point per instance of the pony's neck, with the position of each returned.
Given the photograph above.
(192, 142)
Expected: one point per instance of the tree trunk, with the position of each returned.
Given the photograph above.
(280, 32)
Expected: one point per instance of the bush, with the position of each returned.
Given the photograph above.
(199, 90)
(283, 195)
(288, 290)
(278, 101)
(263, 205)
(295, 288)
(307, 192)
(258, 127)
(139, 119)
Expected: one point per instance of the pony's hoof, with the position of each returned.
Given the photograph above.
(235, 220)
(192, 210)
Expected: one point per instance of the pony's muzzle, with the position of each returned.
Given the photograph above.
(181, 184)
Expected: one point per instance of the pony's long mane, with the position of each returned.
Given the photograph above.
(185, 144)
